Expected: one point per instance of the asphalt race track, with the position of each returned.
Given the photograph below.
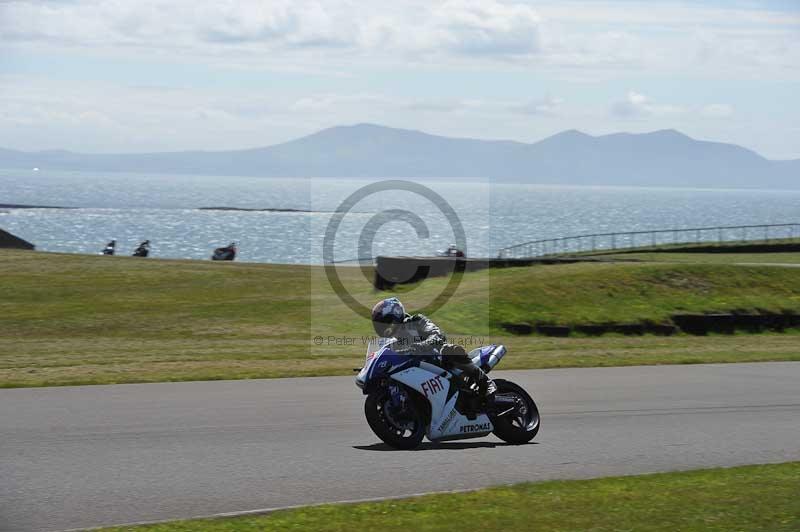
(99, 455)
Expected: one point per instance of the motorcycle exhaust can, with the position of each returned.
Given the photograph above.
(487, 357)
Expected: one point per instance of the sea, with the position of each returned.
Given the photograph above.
(355, 218)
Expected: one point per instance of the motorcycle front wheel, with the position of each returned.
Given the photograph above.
(401, 430)
(521, 424)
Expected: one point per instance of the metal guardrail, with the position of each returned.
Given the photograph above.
(650, 239)
(360, 260)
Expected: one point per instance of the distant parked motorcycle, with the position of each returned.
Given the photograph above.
(143, 250)
(110, 248)
(452, 251)
(225, 253)
(408, 398)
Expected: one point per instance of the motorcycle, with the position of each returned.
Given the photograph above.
(409, 398)
(226, 253)
(110, 248)
(451, 251)
(143, 250)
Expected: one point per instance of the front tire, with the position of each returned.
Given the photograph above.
(403, 431)
(521, 425)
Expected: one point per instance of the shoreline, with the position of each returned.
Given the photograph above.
(23, 206)
(266, 209)
(12, 206)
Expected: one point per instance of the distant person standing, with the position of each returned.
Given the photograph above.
(110, 248)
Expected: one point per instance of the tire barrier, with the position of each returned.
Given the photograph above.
(693, 324)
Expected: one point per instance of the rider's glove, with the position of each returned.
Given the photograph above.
(453, 350)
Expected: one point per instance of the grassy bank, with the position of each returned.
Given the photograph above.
(786, 258)
(783, 252)
(748, 498)
(71, 319)
(772, 246)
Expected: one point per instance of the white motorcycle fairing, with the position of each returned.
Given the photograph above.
(433, 383)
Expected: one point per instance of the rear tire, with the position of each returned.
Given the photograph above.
(406, 437)
(522, 425)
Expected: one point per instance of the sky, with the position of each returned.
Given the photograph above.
(164, 75)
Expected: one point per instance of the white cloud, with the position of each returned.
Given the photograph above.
(483, 27)
(666, 14)
(562, 35)
(547, 106)
(274, 23)
(637, 105)
(468, 27)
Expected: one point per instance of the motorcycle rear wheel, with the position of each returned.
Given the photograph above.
(521, 425)
(384, 427)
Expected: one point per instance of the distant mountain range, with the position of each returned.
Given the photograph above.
(660, 158)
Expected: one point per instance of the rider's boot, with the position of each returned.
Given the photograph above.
(486, 388)
(456, 355)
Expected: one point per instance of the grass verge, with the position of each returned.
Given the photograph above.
(72, 319)
(785, 258)
(750, 498)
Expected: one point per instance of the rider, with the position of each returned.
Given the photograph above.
(419, 335)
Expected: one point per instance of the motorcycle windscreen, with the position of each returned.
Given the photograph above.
(380, 360)
(376, 344)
